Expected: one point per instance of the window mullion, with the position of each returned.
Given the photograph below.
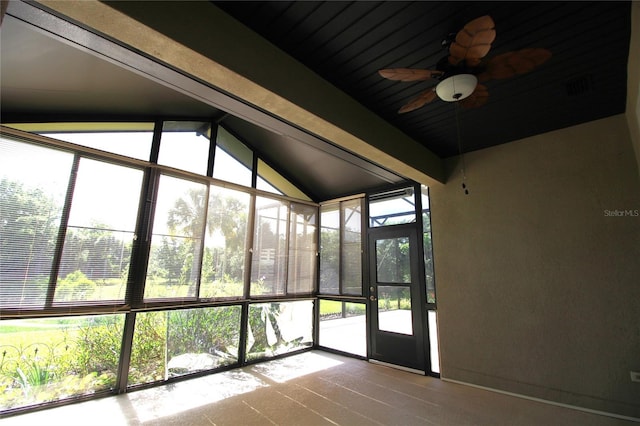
(62, 232)
(122, 375)
(248, 260)
(203, 236)
(142, 242)
(341, 224)
(213, 135)
(364, 259)
(287, 244)
(244, 319)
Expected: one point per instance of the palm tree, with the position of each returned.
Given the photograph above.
(187, 219)
(224, 214)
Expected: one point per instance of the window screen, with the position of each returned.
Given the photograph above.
(128, 139)
(351, 256)
(185, 145)
(233, 160)
(100, 231)
(341, 248)
(279, 327)
(33, 184)
(225, 244)
(392, 207)
(302, 249)
(330, 249)
(176, 243)
(269, 261)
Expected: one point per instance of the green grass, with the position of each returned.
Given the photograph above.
(30, 325)
(27, 334)
(328, 307)
(7, 329)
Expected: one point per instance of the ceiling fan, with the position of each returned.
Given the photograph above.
(459, 73)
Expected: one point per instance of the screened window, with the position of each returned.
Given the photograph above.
(343, 326)
(128, 139)
(330, 249)
(279, 327)
(185, 145)
(302, 249)
(341, 252)
(351, 256)
(271, 181)
(174, 343)
(392, 207)
(264, 184)
(392, 260)
(433, 341)
(176, 243)
(33, 184)
(427, 246)
(100, 231)
(49, 359)
(69, 224)
(284, 248)
(233, 160)
(225, 244)
(269, 260)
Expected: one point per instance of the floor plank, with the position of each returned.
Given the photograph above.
(313, 388)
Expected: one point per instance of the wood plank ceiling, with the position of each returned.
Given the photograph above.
(348, 42)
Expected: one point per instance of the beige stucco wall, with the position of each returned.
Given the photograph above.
(538, 283)
(633, 83)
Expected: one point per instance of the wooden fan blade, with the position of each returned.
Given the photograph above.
(480, 24)
(419, 101)
(408, 74)
(479, 97)
(473, 42)
(514, 63)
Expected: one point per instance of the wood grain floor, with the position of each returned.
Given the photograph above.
(313, 388)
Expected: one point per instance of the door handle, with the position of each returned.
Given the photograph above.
(372, 298)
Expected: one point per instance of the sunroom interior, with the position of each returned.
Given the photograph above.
(173, 211)
(223, 219)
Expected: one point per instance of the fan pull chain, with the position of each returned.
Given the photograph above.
(464, 176)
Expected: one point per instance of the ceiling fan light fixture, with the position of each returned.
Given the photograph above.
(456, 87)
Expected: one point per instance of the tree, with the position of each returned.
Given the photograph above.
(227, 216)
(29, 221)
(187, 219)
(94, 251)
(169, 260)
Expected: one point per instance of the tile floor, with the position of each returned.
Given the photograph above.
(312, 388)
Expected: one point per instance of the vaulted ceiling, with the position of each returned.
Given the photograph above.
(347, 42)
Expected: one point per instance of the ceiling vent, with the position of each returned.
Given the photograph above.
(580, 85)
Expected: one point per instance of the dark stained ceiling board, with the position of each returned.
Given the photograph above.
(348, 42)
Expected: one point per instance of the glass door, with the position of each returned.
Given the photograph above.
(396, 297)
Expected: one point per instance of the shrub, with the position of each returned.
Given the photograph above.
(75, 286)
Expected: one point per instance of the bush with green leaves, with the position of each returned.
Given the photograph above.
(41, 372)
(75, 286)
(148, 353)
(204, 330)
